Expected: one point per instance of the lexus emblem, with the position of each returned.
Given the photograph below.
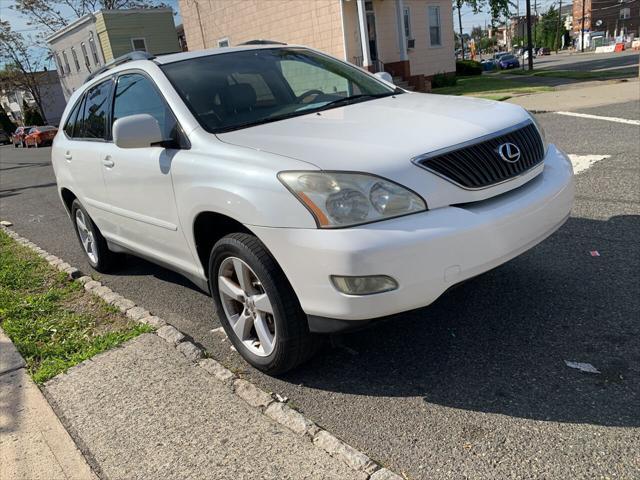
(509, 152)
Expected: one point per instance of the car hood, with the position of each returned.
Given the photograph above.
(382, 136)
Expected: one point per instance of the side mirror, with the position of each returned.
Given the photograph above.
(384, 76)
(136, 131)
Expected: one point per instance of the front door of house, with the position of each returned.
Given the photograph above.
(371, 28)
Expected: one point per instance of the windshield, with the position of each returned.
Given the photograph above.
(240, 89)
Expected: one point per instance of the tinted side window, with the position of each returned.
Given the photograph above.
(136, 94)
(75, 121)
(68, 128)
(96, 111)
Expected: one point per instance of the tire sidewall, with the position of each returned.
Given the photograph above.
(231, 247)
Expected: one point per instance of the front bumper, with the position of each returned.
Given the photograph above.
(425, 253)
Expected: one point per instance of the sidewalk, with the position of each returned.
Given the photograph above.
(33, 443)
(144, 411)
(587, 96)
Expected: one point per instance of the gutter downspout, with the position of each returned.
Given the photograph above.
(364, 34)
(344, 31)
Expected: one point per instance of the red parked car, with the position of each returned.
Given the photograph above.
(18, 136)
(40, 136)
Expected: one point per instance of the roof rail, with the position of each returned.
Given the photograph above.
(262, 42)
(129, 57)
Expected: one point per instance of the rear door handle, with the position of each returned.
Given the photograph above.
(67, 156)
(107, 162)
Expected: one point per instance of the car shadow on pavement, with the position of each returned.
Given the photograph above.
(498, 343)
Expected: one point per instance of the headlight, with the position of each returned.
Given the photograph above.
(340, 199)
(540, 131)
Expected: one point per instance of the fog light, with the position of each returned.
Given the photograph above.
(364, 285)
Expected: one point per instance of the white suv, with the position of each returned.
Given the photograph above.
(305, 194)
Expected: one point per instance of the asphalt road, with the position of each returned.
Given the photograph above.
(589, 62)
(474, 386)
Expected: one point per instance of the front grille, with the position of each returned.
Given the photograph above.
(479, 165)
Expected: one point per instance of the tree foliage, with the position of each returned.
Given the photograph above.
(546, 33)
(22, 63)
(5, 122)
(31, 115)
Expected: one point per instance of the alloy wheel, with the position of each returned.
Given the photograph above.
(86, 236)
(247, 306)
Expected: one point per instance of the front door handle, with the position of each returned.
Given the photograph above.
(107, 162)
(67, 156)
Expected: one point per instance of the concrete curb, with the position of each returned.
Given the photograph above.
(254, 396)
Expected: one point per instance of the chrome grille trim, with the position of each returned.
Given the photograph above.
(474, 165)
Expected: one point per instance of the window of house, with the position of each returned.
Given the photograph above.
(136, 94)
(85, 55)
(223, 42)
(59, 65)
(96, 110)
(139, 44)
(407, 22)
(67, 69)
(75, 58)
(435, 33)
(625, 13)
(94, 52)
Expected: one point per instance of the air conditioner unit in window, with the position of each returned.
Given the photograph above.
(411, 43)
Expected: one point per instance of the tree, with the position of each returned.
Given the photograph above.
(21, 64)
(546, 32)
(31, 115)
(52, 15)
(497, 9)
(5, 122)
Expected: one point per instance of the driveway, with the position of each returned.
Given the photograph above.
(476, 385)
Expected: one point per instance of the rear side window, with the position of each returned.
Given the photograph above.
(136, 94)
(96, 111)
(68, 128)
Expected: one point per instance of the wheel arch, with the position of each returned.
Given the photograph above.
(67, 197)
(208, 228)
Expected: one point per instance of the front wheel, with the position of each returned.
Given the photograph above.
(257, 306)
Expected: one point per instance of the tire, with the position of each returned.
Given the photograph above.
(98, 255)
(292, 343)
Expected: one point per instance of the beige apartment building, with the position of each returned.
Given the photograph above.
(411, 39)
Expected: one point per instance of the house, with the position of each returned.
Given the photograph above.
(612, 17)
(13, 98)
(97, 38)
(411, 39)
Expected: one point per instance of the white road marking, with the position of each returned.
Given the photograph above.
(582, 162)
(598, 117)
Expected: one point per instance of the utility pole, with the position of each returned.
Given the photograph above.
(558, 27)
(459, 3)
(582, 29)
(529, 47)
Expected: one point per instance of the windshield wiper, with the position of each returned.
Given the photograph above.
(348, 100)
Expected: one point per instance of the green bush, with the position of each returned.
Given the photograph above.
(443, 80)
(468, 67)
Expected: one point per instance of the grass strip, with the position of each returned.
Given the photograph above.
(489, 86)
(52, 321)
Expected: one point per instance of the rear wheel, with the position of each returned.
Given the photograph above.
(257, 306)
(93, 243)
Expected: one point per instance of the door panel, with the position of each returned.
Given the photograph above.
(138, 180)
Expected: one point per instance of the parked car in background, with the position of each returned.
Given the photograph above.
(40, 136)
(18, 136)
(4, 138)
(488, 64)
(300, 190)
(509, 61)
(544, 51)
(525, 55)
